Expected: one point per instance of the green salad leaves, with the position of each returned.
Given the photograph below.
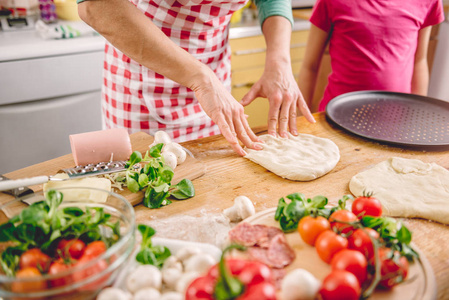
(43, 224)
(150, 254)
(155, 178)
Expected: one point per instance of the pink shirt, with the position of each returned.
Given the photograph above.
(373, 42)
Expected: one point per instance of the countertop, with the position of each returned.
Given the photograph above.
(28, 44)
(228, 176)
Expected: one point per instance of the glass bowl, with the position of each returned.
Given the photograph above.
(93, 278)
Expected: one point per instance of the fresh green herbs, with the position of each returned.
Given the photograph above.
(394, 234)
(289, 214)
(43, 224)
(155, 178)
(149, 254)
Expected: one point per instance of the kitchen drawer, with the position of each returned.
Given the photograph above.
(248, 77)
(49, 77)
(36, 131)
(257, 59)
(250, 52)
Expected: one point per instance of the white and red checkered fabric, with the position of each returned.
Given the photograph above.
(139, 99)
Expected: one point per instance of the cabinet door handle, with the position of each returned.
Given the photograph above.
(260, 50)
(299, 45)
(249, 51)
(240, 85)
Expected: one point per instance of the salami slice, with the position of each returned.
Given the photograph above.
(247, 234)
(280, 254)
(266, 244)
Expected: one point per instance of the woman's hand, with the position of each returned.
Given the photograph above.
(226, 112)
(279, 86)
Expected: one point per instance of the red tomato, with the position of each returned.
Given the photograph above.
(34, 258)
(340, 285)
(93, 270)
(328, 244)
(360, 241)
(58, 267)
(92, 251)
(309, 228)
(394, 268)
(28, 286)
(73, 248)
(95, 249)
(366, 206)
(352, 261)
(342, 216)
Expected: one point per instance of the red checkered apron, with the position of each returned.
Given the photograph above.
(139, 99)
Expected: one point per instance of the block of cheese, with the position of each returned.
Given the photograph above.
(79, 189)
(100, 146)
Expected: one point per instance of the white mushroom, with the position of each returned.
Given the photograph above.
(177, 150)
(147, 294)
(144, 276)
(186, 252)
(242, 209)
(170, 277)
(299, 284)
(112, 293)
(172, 296)
(160, 137)
(170, 159)
(172, 262)
(185, 280)
(199, 263)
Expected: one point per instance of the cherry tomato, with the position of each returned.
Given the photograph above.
(394, 268)
(366, 206)
(92, 251)
(35, 285)
(95, 249)
(360, 241)
(58, 267)
(73, 248)
(352, 261)
(342, 216)
(328, 244)
(309, 228)
(34, 258)
(340, 285)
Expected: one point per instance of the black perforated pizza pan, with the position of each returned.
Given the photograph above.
(394, 118)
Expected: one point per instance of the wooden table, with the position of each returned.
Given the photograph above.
(229, 175)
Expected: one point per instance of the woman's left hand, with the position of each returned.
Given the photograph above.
(279, 86)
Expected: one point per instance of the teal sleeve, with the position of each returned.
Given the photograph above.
(79, 1)
(268, 8)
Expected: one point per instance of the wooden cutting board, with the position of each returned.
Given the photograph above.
(190, 169)
(420, 285)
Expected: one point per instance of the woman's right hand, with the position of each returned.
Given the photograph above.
(226, 112)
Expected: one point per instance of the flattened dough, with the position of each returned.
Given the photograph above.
(303, 158)
(407, 188)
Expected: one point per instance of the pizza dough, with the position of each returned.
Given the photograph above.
(304, 157)
(407, 188)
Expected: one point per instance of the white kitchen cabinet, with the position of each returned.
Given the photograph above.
(49, 89)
